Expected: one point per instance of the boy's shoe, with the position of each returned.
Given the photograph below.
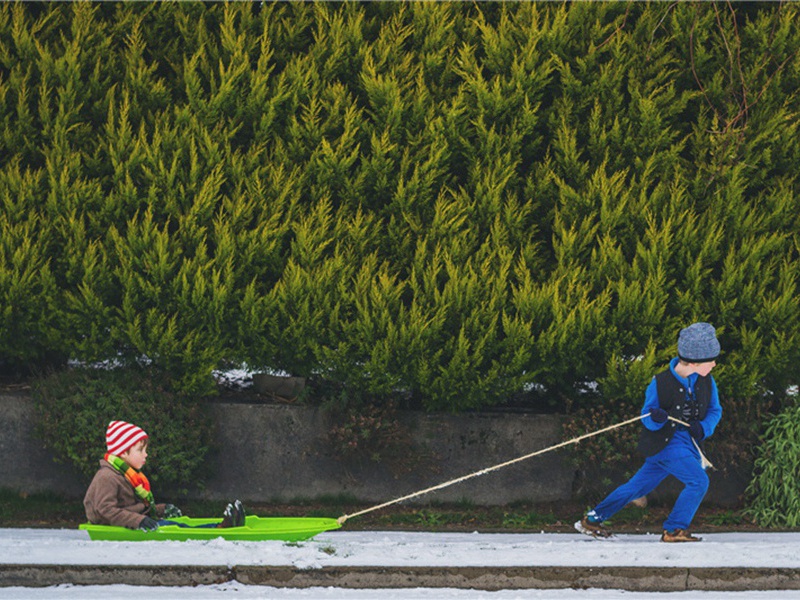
(227, 517)
(592, 528)
(679, 535)
(238, 514)
(640, 502)
(233, 515)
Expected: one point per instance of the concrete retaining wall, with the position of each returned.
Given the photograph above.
(282, 453)
(274, 452)
(25, 465)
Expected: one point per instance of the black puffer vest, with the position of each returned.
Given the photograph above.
(672, 398)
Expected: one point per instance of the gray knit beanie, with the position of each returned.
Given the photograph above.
(698, 343)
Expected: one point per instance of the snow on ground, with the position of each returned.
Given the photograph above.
(229, 591)
(422, 549)
(381, 548)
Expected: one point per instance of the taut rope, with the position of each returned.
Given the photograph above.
(704, 461)
(344, 518)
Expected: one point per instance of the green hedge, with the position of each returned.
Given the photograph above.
(455, 200)
(74, 408)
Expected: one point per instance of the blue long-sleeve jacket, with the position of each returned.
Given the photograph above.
(681, 442)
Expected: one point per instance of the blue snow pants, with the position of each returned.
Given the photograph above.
(685, 468)
(206, 526)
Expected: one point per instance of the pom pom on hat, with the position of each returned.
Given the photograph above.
(121, 436)
(698, 343)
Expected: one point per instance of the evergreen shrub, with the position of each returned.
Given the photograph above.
(75, 406)
(774, 491)
(454, 203)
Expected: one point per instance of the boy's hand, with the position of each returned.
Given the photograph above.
(696, 430)
(658, 414)
(148, 524)
(171, 511)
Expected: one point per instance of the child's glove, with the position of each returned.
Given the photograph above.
(696, 430)
(658, 414)
(171, 511)
(148, 524)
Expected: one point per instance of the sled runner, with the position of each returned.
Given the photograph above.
(256, 529)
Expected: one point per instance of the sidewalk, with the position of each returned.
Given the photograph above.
(377, 559)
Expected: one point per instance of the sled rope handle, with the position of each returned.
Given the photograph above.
(703, 460)
(344, 518)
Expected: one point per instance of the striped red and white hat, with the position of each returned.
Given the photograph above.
(120, 436)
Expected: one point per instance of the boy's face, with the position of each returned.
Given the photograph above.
(704, 368)
(136, 456)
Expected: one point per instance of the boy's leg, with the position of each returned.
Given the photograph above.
(163, 522)
(689, 472)
(643, 482)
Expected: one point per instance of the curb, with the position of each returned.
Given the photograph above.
(642, 579)
(47, 575)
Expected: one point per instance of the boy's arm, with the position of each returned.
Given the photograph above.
(651, 402)
(103, 505)
(714, 412)
(121, 517)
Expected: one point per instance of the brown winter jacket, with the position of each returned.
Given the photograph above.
(110, 500)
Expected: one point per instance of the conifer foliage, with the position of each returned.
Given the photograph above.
(455, 200)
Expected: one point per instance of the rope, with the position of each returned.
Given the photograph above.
(344, 518)
(703, 461)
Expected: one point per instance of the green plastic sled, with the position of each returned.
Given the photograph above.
(255, 529)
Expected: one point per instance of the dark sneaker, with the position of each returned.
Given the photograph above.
(227, 517)
(233, 515)
(238, 514)
(679, 535)
(594, 529)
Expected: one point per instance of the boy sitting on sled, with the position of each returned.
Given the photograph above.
(120, 493)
